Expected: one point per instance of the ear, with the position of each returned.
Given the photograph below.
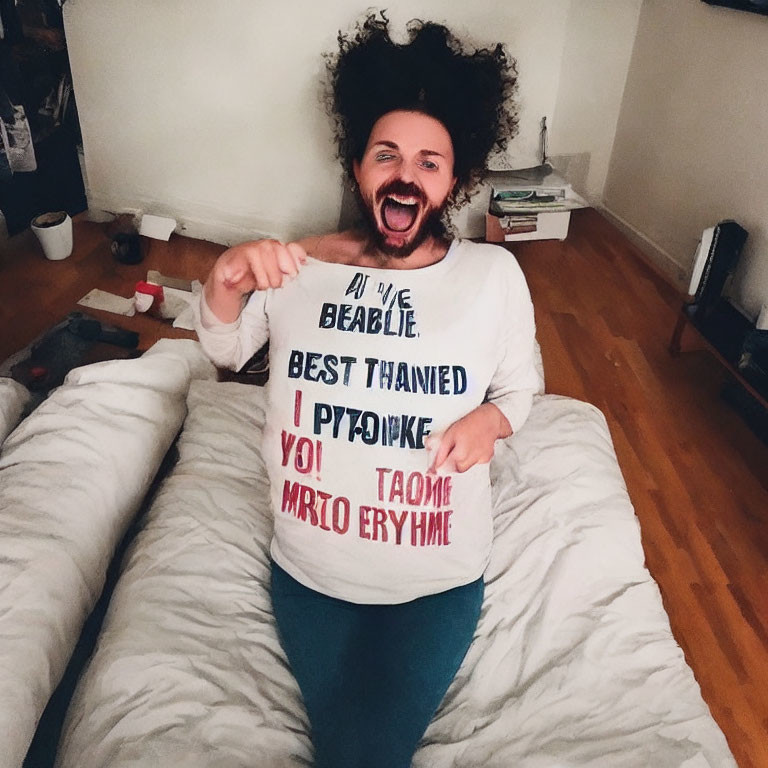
(356, 170)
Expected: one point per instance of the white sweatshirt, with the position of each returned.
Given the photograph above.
(365, 363)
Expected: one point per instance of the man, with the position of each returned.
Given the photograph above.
(398, 357)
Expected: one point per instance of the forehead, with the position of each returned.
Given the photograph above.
(412, 131)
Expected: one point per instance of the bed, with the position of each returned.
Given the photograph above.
(72, 476)
(13, 399)
(573, 663)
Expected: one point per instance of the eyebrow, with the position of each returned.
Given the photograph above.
(423, 152)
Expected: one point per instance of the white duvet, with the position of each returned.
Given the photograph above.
(72, 476)
(13, 398)
(573, 663)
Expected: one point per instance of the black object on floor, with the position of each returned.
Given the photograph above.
(44, 364)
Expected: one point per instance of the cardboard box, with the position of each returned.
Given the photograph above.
(552, 225)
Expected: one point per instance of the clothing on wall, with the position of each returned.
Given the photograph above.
(39, 126)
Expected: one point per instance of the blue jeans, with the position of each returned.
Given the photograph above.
(372, 676)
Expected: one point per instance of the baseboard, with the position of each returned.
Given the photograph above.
(656, 257)
(195, 221)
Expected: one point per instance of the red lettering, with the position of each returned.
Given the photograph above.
(290, 496)
(447, 490)
(415, 488)
(446, 526)
(287, 440)
(323, 497)
(307, 505)
(312, 506)
(296, 409)
(381, 471)
(379, 522)
(343, 526)
(434, 491)
(435, 528)
(364, 522)
(305, 455)
(396, 490)
(398, 522)
(419, 528)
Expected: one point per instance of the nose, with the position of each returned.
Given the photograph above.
(407, 172)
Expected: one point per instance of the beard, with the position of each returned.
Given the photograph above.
(430, 226)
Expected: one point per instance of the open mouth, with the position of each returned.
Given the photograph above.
(399, 212)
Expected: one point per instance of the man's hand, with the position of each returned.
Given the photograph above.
(469, 440)
(253, 266)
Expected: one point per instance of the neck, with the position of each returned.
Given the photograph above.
(432, 250)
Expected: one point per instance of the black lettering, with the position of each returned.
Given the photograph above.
(330, 375)
(312, 360)
(347, 362)
(410, 325)
(369, 424)
(374, 321)
(323, 415)
(422, 431)
(344, 312)
(358, 321)
(443, 372)
(328, 315)
(295, 364)
(406, 434)
(401, 382)
(459, 380)
(371, 363)
(354, 416)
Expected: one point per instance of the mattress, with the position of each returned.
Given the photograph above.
(573, 662)
(72, 476)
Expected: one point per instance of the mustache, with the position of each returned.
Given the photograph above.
(400, 187)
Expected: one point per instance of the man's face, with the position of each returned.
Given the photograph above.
(404, 179)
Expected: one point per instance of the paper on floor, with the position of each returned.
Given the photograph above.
(109, 302)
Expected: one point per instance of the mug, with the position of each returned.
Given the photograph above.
(54, 231)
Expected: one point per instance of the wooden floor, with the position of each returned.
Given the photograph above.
(698, 477)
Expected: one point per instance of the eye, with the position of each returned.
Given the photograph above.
(384, 156)
(429, 165)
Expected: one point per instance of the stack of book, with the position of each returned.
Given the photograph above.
(530, 204)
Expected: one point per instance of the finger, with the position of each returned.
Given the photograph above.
(461, 458)
(447, 444)
(463, 464)
(449, 466)
(230, 270)
(231, 275)
(285, 261)
(298, 254)
(270, 264)
(235, 277)
(259, 272)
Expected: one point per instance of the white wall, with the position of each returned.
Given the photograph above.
(596, 56)
(210, 112)
(691, 146)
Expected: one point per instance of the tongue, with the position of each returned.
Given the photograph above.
(398, 217)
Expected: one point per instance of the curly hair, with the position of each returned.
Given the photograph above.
(470, 93)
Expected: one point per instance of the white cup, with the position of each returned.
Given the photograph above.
(54, 231)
